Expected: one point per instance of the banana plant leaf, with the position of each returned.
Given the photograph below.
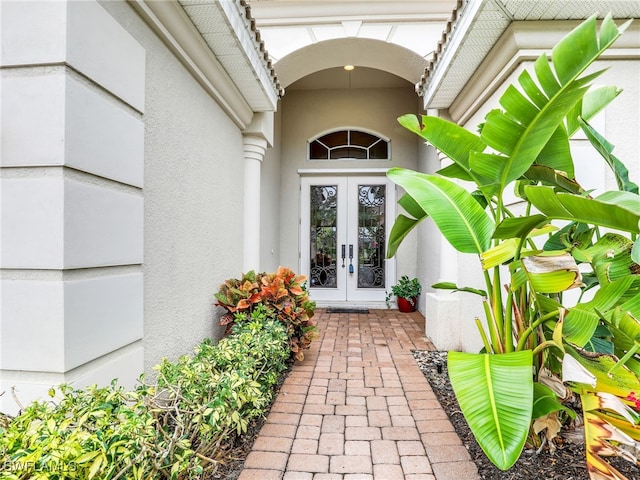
(546, 273)
(404, 224)
(551, 177)
(618, 210)
(501, 253)
(451, 139)
(599, 365)
(520, 227)
(556, 154)
(603, 438)
(495, 393)
(624, 323)
(523, 131)
(582, 320)
(546, 402)
(605, 148)
(456, 288)
(610, 258)
(459, 217)
(600, 342)
(594, 101)
(575, 234)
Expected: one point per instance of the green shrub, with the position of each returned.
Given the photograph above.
(93, 433)
(181, 427)
(214, 395)
(281, 295)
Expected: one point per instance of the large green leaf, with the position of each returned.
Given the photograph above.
(592, 103)
(574, 234)
(605, 148)
(613, 209)
(621, 384)
(549, 176)
(451, 139)
(546, 402)
(459, 217)
(610, 258)
(550, 272)
(532, 118)
(519, 227)
(582, 320)
(495, 393)
(404, 224)
(556, 154)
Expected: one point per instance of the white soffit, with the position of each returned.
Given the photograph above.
(290, 25)
(230, 32)
(476, 25)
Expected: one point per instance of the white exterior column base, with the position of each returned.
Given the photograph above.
(21, 387)
(447, 326)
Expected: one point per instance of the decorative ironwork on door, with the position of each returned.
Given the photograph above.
(323, 235)
(371, 236)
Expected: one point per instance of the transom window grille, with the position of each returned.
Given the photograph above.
(349, 144)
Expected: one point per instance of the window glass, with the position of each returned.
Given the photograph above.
(349, 144)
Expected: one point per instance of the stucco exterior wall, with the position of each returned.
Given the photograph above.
(71, 220)
(306, 114)
(193, 195)
(122, 179)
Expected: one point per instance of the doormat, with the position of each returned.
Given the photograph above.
(347, 310)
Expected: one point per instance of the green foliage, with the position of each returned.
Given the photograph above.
(525, 146)
(181, 427)
(282, 295)
(496, 394)
(92, 433)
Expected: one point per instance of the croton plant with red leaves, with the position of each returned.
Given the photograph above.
(283, 296)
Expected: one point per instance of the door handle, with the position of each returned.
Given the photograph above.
(344, 253)
(351, 258)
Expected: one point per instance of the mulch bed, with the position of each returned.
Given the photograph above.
(566, 463)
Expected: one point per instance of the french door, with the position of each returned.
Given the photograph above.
(344, 231)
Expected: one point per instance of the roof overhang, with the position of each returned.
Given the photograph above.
(506, 32)
(218, 42)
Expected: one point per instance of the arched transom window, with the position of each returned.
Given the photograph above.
(349, 144)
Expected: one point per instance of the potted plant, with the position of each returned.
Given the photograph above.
(406, 292)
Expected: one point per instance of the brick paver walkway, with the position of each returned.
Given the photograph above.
(358, 407)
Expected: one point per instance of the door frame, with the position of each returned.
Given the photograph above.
(329, 175)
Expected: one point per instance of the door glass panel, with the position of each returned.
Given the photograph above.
(371, 236)
(323, 236)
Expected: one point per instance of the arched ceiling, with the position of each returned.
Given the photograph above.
(339, 78)
(330, 54)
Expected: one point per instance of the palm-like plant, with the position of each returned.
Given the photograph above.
(525, 145)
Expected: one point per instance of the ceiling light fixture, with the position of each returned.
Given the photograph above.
(348, 68)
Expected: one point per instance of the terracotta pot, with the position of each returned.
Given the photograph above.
(405, 306)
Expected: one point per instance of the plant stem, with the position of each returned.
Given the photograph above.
(543, 345)
(533, 326)
(483, 335)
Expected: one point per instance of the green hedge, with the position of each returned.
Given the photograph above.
(180, 427)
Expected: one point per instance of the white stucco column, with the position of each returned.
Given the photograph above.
(254, 149)
(258, 136)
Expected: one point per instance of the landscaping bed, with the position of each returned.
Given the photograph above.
(196, 419)
(567, 462)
